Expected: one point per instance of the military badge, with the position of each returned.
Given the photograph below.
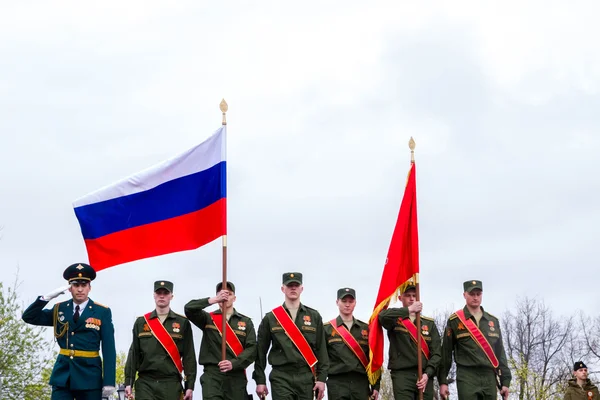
(146, 328)
(425, 330)
(241, 325)
(364, 333)
(306, 319)
(93, 323)
(491, 325)
(461, 327)
(334, 333)
(449, 332)
(176, 327)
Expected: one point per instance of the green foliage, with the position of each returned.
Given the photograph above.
(24, 357)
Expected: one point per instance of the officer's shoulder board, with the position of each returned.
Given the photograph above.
(453, 316)
(100, 304)
(427, 318)
(327, 323)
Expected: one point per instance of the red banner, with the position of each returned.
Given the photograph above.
(401, 264)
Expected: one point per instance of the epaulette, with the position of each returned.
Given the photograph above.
(361, 322)
(327, 323)
(243, 315)
(182, 316)
(310, 308)
(427, 318)
(453, 316)
(100, 304)
(492, 315)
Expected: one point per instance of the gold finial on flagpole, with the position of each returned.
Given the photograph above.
(223, 106)
(411, 146)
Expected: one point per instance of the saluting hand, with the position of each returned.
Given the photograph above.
(221, 297)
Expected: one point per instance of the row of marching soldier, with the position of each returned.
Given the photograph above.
(306, 354)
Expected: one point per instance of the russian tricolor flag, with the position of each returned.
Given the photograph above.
(177, 205)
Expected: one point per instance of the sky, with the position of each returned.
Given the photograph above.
(501, 99)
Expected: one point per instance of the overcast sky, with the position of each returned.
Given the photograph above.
(501, 99)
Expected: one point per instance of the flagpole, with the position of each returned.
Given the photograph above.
(223, 106)
(411, 145)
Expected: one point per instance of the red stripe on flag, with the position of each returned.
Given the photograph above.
(186, 232)
(401, 264)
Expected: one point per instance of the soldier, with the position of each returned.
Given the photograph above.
(474, 336)
(402, 333)
(580, 387)
(162, 349)
(80, 325)
(223, 379)
(348, 350)
(298, 355)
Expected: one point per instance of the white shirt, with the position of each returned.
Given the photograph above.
(81, 306)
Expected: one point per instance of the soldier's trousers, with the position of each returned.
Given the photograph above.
(350, 386)
(151, 389)
(404, 382)
(476, 384)
(61, 393)
(223, 386)
(291, 383)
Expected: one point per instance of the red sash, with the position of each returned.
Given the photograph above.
(350, 342)
(293, 332)
(412, 330)
(478, 338)
(230, 337)
(163, 337)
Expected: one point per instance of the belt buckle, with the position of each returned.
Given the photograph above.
(71, 353)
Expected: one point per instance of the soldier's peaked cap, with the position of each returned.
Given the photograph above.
(230, 286)
(343, 292)
(578, 365)
(163, 285)
(471, 285)
(292, 277)
(80, 272)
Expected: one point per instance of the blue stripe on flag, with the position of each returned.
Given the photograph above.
(168, 200)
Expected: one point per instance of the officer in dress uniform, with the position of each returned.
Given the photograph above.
(80, 326)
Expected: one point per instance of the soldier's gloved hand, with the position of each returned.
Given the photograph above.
(107, 391)
(55, 293)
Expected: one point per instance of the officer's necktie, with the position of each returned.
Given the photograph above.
(76, 315)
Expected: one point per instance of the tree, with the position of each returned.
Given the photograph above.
(24, 353)
(537, 344)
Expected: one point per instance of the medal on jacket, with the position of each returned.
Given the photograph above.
(590, 395)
